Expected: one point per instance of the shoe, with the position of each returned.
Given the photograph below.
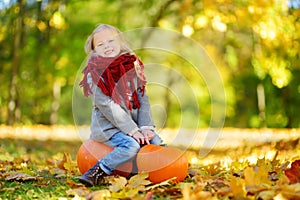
(93, 176)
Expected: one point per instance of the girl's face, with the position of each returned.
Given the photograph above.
(106, 43)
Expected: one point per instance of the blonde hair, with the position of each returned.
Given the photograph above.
(89, 44)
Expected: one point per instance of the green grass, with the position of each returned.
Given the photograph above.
(38, 159)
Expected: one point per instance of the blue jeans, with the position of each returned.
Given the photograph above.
(125, 149)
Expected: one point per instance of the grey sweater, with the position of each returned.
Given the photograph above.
(109, 117)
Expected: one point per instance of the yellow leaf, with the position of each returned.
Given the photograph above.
(264, 163)
(191, 194)
(69, 165)
(139, 181)
(166, 182)
(81, 192)
(116, 183)
(125, 194)
(250, 176)
(237, 186)
(289, 192)
(283, 179)
(99, 195)
(269, 194)
(30, 192)
(294, 188)
(186, 191)
(202, 195)
(258, 177)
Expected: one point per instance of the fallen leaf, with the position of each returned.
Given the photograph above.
(256, 176)
(69, 165)
(98, 195)
(57, 160)
(116, 183)
(30, 192)
(59, 173)
(287, 196)
(294, 188)
(269, 194)
(190, 194)
(73, 184)
(186, 191)
(148, 196)
(266, 163)
(139, 181)
(202, 195)
(219, 183)
(294, 172)
(164, 183)
(11, 189)
(125, 194)
(81, 192)
(282, 179)
(20, 177)
(237, 186)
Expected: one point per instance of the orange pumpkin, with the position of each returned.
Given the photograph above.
(91, 151)
(162, 163)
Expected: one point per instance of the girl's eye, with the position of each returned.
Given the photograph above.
(111, 40)
(100, 44)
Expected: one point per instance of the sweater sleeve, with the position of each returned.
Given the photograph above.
(114, 113)
(145, 120)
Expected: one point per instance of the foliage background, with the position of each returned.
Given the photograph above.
(255, 45)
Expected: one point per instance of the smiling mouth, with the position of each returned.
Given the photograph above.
(109, 51)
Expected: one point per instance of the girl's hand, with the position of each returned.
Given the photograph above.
(140, 138)
(148, 134)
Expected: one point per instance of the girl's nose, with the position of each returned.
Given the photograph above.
(106, 45)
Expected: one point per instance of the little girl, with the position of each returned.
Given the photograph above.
(121, 116)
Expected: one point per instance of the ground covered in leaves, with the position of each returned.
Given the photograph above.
(32, 169)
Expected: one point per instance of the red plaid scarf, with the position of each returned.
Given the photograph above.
(112, 75)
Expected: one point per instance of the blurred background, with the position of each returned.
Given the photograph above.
(254, 43)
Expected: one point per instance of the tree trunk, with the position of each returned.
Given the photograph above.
(14, 113)
(261, 104)
(55, 104)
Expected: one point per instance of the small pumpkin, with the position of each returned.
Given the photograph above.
(162, 163)
(91, 151)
